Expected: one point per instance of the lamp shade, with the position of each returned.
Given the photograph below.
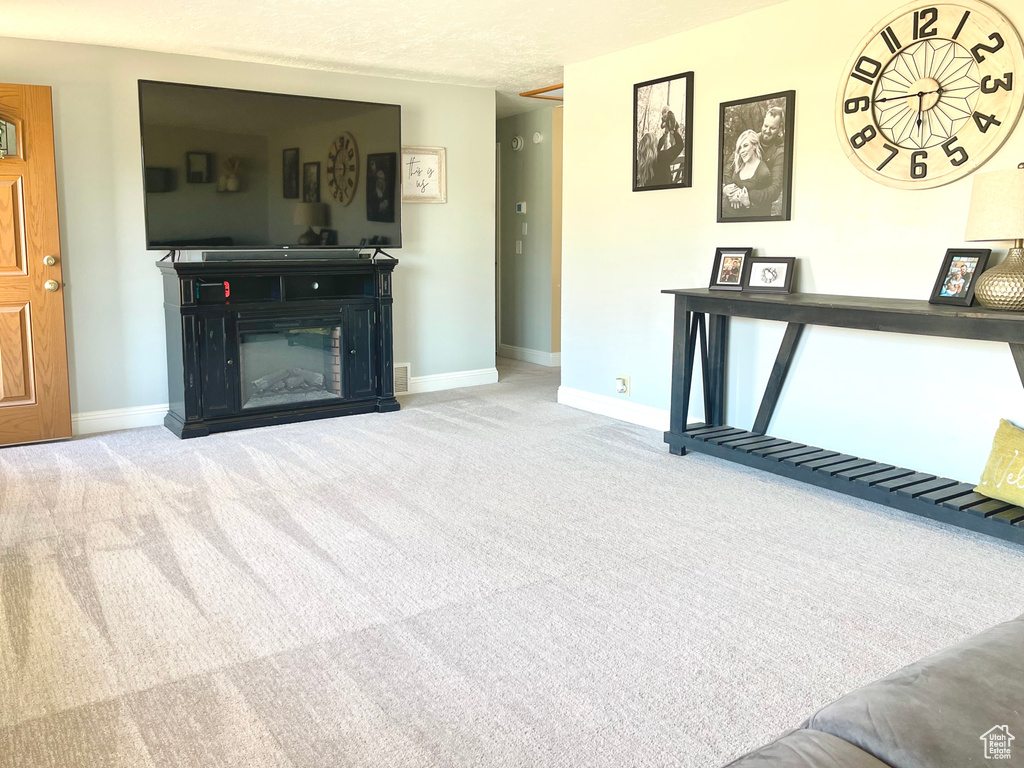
(310, 215)
(997, 206)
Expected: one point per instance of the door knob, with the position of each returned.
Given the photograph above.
(351, 351)
(49, 260)
(51, 285)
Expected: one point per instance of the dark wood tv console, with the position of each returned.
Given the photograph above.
(254, 343)
(702, 316)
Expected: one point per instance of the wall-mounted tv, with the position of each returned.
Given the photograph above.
(228, 169)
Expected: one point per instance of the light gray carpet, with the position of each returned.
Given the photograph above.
(485, 578)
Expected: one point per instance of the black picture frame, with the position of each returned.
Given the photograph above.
(727, 275)
(328, 237)
(311, 182)
(662, 133)
(762, 274)
(380, 186)
(290, 173)
(198, 167)
(967, 264)
(756, 115)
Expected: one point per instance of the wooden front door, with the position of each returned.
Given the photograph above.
(34, 400)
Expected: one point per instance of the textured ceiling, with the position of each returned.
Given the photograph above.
(511, 47)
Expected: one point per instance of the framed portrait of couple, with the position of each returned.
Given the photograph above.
(959, 271)
(662, 141)
(755, 158)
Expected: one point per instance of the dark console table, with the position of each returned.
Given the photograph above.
(254, 343)
(702, 321)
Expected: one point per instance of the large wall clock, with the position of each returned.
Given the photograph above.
(343, 168)
(931, 93)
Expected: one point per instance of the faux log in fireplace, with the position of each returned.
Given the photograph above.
(253, 343)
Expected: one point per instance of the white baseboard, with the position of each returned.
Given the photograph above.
(90, 422)
(549, 359)
(439, 381)
(616, 408)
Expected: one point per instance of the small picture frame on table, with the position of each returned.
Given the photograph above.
(957, 276)
(765, 275)
(729, 269)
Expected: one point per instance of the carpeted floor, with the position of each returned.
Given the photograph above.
(485, 578)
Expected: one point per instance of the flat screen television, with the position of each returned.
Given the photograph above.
(241, 170)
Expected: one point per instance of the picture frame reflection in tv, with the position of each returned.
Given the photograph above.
(311, 182)
(198, 167)
(380, 186)
(290, 173)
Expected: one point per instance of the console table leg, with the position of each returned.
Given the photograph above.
(718, 331)
(1017, 350)
(777, 378)
(682, 367)
(704, 370)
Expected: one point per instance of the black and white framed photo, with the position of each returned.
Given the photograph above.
(727, 274)
(755, 158)
(198, 167)
(311, 182)
(290, 173)
(662, 142)
(380, 186)
(765, 275)
(957, 275)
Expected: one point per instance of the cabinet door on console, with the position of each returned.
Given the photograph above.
(217, 363)
(360, 339)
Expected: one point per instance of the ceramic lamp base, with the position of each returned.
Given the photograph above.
(309, 237)
(1002, 287)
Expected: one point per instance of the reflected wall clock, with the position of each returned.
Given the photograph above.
(930, 93)
(343, 168)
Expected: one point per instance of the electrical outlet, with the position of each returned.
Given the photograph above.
(622, 385)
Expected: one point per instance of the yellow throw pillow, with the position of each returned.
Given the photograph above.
(1003, 477)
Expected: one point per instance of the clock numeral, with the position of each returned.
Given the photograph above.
(991, 85)
(866, 70)
(891, 40)
(351, 152)
(860, 104)
(893, 151)
(984, 122)
(350, 182)
(918, 169)
(924, 23)
(960, 26)
(997, 44)
(957, 155)
(858, 140)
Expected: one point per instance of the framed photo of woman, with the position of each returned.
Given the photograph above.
(755, 158)
(662, 141)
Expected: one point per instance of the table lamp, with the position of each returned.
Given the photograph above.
(310, 215)
(997, 213)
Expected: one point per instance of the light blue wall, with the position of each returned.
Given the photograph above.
(526, 278)
(444, 286)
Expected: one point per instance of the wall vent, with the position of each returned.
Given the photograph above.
(401, 378)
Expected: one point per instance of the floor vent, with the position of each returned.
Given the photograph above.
(401, 378)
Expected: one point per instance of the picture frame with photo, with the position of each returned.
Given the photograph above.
(755, 158)
(769, 275)
(729, 268)
(311, 182)
(957, 276)
(290, 173)
(198, 167)
(662, 136)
